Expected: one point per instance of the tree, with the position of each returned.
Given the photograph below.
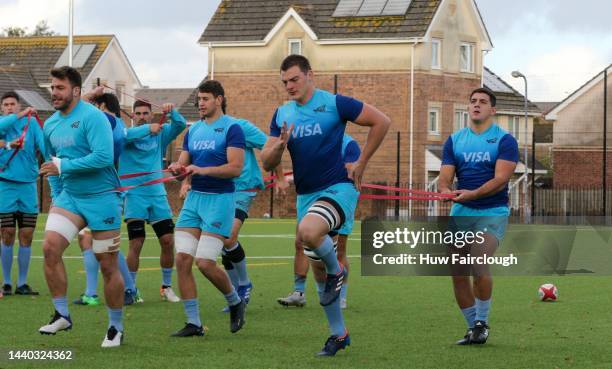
(13, 32)
(42, 29)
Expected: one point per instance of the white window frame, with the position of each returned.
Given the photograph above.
(436, 111)
(463, 120)
(291, 42)
(436, 60)
(470, 55)
(514, 126)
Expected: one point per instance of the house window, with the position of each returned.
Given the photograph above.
(513, 126)
(436, 50)
(295, 47)
(467, 57)
(433, 125)
(120, 90)
(461, 119)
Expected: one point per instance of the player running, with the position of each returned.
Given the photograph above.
(109, 105)
(18, 195)
(79, 144)
(350, 154)
(311, 126)
(150, 203)
(483, 157)
(213, 152)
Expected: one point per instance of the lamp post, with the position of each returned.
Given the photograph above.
(517, 74)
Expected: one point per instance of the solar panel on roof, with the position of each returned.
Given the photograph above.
(367, 8)
(80, 55)
(34, 99)
(371, 7)
(493, 83)
(396, 7)
(347, 8)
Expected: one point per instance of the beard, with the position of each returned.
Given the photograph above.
(66, 103)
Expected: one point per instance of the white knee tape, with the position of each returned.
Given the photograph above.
(62, 225)
(185, 242)
(106, 246)
(209, 248)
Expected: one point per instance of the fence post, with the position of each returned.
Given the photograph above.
(272, 199)
(397, 176)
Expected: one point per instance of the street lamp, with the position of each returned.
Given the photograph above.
(517, 74)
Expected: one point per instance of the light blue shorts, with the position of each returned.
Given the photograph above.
(149, 208)
(18, 197)
(101, 212)
(211, 212)
(344, 194)
(243, 200)
(492, 220)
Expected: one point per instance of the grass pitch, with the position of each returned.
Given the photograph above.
(395, 322)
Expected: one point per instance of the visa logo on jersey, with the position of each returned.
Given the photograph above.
(307, 130)
(204, 145)
(476, 157)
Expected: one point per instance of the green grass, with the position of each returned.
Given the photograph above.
(394, 322)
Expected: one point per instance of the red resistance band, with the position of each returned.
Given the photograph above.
(21, 140)
(421, 195)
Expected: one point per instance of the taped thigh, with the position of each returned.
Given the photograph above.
(106, 246)
(185, 242)
(62, 225)
(209, 248)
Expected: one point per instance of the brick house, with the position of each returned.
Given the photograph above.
(391, 54)
(94, 56)
(578, 135)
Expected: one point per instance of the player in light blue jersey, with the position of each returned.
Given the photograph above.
(150, 204)
(350, 154)
(483, 157)
(79, 149)
(109, 105)
(311, 126)
(213, 152)
(18, 195)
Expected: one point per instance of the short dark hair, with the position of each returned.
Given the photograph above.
(8, 95)
(486, 91)
(293, 60)
(216, 89)
(111, 101)
(139, 103)
(72, 75)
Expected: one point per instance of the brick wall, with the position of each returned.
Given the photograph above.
(580, 168)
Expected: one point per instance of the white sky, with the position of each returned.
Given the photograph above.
(558, 44)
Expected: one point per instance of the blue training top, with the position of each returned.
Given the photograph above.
(474, 157)
(315, 144)
(207, 145)
(24, 166)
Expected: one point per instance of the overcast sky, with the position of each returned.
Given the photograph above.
(558, 44)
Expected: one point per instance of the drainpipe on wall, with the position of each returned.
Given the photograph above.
(484, 53)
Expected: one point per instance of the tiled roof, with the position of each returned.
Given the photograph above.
(39, 54)
(188, 109)
(251, 20)
(508, 99)
(14, 78)
(159, 96)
